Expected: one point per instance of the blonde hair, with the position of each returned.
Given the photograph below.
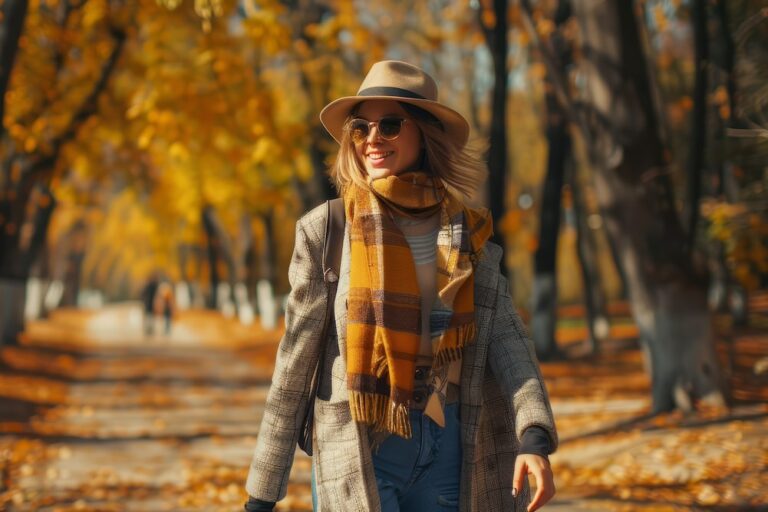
(461, 170)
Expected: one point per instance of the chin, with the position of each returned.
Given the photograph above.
(380, 173)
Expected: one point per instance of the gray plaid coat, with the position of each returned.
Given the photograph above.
(502, 392)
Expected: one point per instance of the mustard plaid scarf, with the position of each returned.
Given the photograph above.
(384, 304)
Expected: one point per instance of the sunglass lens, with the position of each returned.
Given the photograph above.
(389, 127)
(358, 130)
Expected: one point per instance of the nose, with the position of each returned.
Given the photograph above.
(373, 133)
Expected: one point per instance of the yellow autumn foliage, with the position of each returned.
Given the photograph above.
(191, 117)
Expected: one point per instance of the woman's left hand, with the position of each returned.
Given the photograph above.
(538, 466)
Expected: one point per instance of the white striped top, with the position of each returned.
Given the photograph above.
(423, 247)
(433, 315)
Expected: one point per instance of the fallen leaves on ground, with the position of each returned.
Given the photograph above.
(170, 424)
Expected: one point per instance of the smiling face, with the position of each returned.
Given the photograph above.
(380, 157)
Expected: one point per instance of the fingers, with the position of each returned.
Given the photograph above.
(518, 479)
(541, 471)
(539, 498)
(545, 485)
(536, 502)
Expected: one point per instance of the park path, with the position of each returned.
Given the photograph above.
(109, 420)
(96, 417)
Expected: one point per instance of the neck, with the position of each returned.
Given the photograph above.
(403, 220)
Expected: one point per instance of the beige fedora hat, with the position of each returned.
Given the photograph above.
(399, 81)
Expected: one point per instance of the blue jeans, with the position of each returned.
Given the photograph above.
(420, 474)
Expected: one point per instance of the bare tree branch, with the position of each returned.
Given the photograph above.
(741, 34)
(745, 133)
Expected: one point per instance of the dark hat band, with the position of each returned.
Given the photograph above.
(390, 91)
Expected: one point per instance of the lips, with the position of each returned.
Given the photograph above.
(379, 155)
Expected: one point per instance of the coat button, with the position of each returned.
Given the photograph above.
(418, 397)
(419, 373)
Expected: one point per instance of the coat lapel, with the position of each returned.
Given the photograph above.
(473, 362)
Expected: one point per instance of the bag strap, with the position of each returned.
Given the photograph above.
(334, 239)
(333, 242)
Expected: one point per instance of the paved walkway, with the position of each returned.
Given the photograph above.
(96, 417)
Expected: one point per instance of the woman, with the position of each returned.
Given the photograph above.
(433, 398)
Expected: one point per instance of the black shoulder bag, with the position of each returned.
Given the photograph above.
(332, 246)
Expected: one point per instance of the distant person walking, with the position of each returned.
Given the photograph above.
(165, 305)
(148, 300)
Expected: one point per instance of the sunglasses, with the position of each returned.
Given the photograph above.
(389, 128)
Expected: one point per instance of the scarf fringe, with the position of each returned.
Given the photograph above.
(465, 334)
(380, 412)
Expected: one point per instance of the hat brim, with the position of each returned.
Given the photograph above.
(335, 114)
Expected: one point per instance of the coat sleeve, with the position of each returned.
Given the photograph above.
(513, 362)
(296, 360)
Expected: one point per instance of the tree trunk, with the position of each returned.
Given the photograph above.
(302, 192)
(725, 57)
(13, 293)
(698, 133)
(544, 310)
(232, 253)
(667, 295)
(76, 242)
(15, 199)
(184, 298)
(41, 219)
(586, 246)
(544, 318)
(21, 248)
(265, 288)
(318, 156)
(213, 257)
(496, 39)
(72, 279)
(725, 292)
(38, 285)
(14, 12)
(242, 247)
(200, 261)
(33, 247)
(316, 85)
